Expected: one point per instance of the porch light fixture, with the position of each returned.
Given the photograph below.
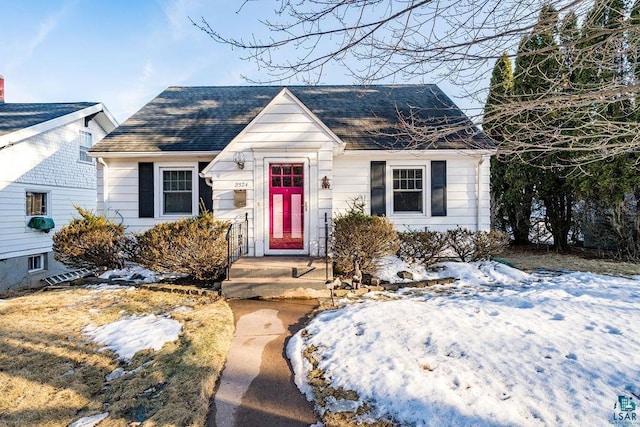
(326, 184)
(238, 159)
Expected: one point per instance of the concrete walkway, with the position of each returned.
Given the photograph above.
(256, 387)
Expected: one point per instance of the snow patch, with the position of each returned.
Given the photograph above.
(498, 347)
(89, 421)
(131, 334)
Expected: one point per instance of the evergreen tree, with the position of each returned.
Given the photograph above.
(511, 187)
(608, 184)
(542, 70)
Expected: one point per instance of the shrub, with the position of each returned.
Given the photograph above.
(488, 244)
(193, 246)
(475, 246)
(90, 241)
(422, 247)
(361, 238)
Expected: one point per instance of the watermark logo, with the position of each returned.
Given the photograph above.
(624, 411)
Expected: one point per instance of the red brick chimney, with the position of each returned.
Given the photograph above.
(1, 89)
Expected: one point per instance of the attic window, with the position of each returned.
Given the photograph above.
(86, 141)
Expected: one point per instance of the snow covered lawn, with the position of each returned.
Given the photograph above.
(498, 347)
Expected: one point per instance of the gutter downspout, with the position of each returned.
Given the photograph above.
(105, 185)
(479, 192)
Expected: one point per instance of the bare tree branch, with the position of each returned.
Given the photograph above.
(456, 40)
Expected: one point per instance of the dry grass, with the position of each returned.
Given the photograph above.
(532, 258)
(51, 374)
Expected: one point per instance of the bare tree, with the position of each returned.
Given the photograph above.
(459, 40)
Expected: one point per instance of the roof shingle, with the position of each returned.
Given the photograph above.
(17, 116)
(365, 118)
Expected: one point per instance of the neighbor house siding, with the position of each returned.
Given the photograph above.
(49, 163)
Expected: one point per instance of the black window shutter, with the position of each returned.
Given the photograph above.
(378, 188)
(204, 191)
(439, 188)
(145, 190)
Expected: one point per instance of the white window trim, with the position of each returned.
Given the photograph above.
(426, 195)
(159, 168)
(47, 203)
(86, 148)
(37, 256)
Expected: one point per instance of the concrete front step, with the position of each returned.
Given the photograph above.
(281, 267)
(274, 288)
(277, 277)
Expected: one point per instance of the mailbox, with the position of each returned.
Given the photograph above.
(239, 198)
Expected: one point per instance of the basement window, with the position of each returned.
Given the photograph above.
(35, 263)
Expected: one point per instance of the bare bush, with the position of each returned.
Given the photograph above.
(614, 230)
(488, 244)
(476, 246)
(422, 247)
(361, 238)
(90, 241)
(194, 246)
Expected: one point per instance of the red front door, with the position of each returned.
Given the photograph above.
(286, 213)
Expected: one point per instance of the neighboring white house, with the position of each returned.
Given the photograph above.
(289, 157)
(44, 171)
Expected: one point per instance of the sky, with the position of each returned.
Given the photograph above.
(123, 53)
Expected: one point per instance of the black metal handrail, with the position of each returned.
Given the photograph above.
(326, 247)
(237, 241)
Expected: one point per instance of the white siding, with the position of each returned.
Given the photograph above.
(48, 162)
(118, 193)
(352, 179)
(284, 131)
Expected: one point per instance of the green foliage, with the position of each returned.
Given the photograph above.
(90, 241)
(476, 246)
(511, 184)
(194, 246)
(421, 247)
(358, 237)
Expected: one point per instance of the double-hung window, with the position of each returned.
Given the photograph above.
(36, 203)
(86, 141)
(410, 185)
(177, 192)
(408, 190)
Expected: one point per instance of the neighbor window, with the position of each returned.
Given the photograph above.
(408, 190)
(36, 203)
(86, 141)
(35, 263)
(177, 192)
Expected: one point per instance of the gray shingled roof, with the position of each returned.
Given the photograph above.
(208, 118)
(17, 116)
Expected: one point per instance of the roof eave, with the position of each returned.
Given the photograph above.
(28, 132)
(138, 154)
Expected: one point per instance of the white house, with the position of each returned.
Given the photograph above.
(44, 171)
(286, 158)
